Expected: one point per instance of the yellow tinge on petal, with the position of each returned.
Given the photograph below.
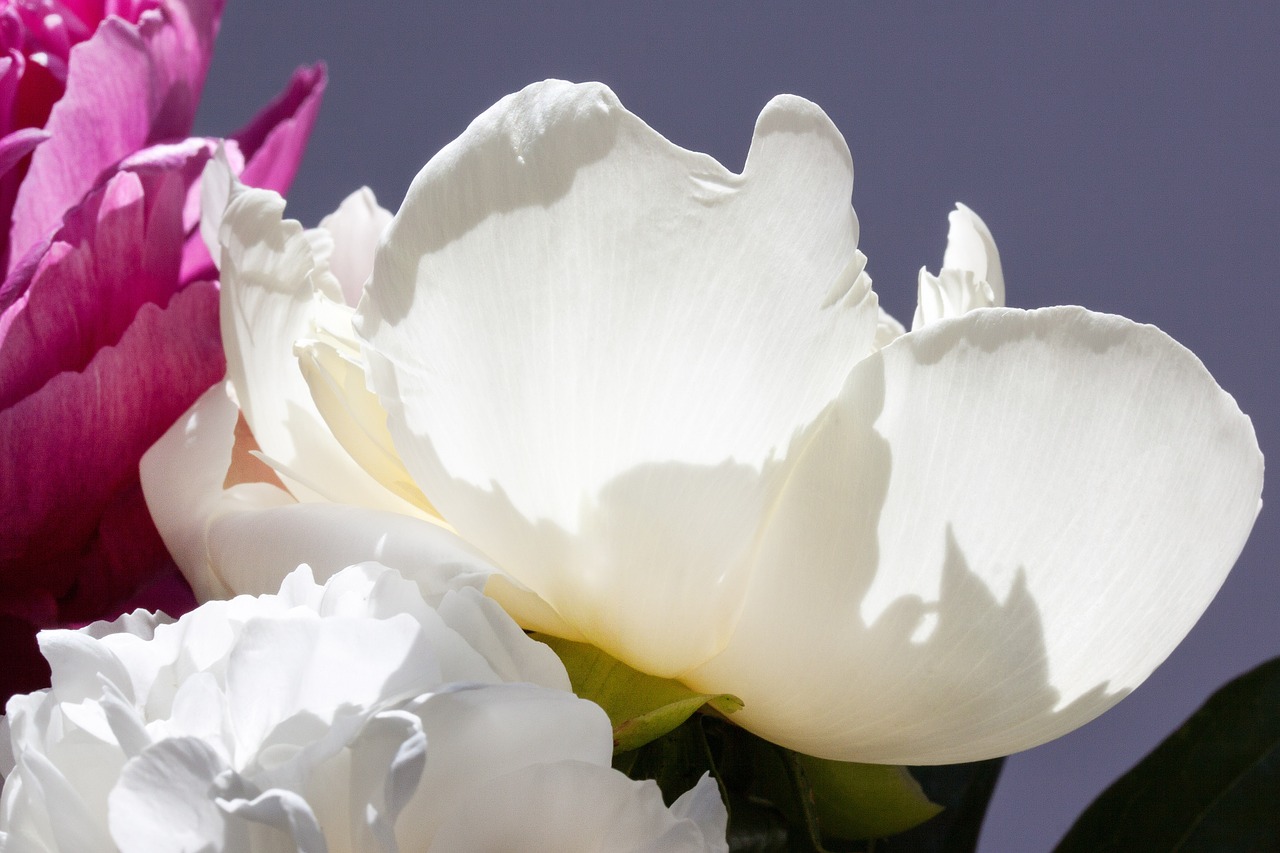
(356, 418)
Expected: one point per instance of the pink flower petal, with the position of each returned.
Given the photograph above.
(116, 252)
(127, 87)
(273, 142)
(69, 475)
(17, 145)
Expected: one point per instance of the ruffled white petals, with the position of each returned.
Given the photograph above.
(356, 227)
(273, 275)
(970, 278)
(577, 808)
(950, 294)
(355, 716)
(387, 764)
(285, 667)
(561, 322)
(968, 599)
(285, 811)
(702, 805)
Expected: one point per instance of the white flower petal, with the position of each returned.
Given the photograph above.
(569, 311)
(273, 274)
(247, 538)
(949, 294)
(356, 226)
(486, 628)
(888, 330)
(282, 667)
(387, 763)
(356, 419)
(970, 276)
(285, 811)
(162, 803)
(570, 807)
(254, 549)
(971, 247)
(1006, 522)
(702, 805)
(182, 478)
(476, 734)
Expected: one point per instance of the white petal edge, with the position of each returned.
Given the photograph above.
(274, 281)
(1005, 524)
(971, 247)
(356, 226)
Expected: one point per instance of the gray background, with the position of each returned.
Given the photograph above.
(1125, 159)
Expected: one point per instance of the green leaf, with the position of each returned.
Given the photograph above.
(964, 791)
(641, 707)
(865, 800)
(1213, 785)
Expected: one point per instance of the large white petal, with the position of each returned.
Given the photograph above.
(1005, 523)
(589, 341)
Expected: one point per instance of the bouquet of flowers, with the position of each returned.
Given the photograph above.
(588, 502)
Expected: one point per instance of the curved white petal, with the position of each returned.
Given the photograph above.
(183, 476)
(161, 802)
(356, 226)
(254, 549)
(1005, 523)
(589, 342)
(275, 281)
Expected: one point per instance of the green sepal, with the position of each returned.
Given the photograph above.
(641, 707)
(857, 801)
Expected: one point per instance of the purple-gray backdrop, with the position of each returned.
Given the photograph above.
(1125, 159)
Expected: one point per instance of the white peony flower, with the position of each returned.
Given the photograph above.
(353, 716)
(662, 400)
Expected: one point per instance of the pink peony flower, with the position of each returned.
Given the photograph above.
(108, 307)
